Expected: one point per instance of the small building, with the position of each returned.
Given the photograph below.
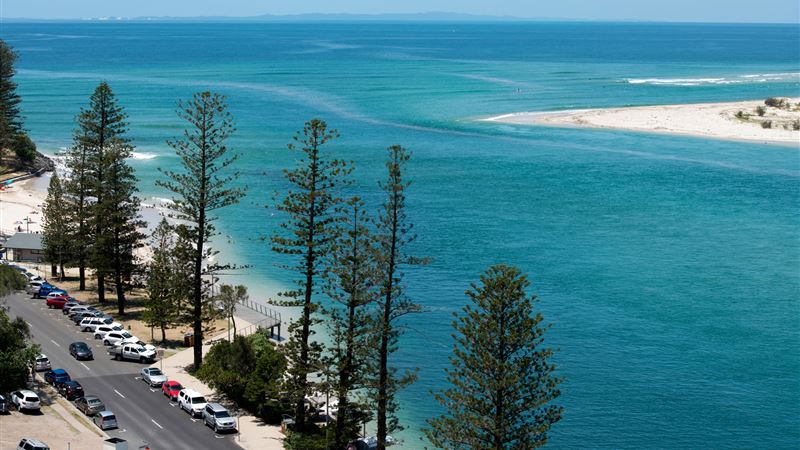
(25, 247)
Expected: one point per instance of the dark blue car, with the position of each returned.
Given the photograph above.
(56, 376)
(47, 288)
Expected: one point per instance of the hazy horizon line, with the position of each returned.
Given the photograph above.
(366, 17)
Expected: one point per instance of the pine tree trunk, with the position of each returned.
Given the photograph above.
(383, 400)
(120, 293)
(163, 334)
(101, 287)
(233, 321)
(62, 271)
(53, 270)
(82, 277)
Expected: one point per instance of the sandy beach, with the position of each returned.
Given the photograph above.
(21, 205)
(711, 120)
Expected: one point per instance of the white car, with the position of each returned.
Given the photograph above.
(101, 330)
(25, 399)
(192, 402)
(32, 444)
(42, 363)
(115, 337)
(153, 376)
(91, 323)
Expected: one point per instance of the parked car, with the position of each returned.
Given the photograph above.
(171, 388)
(69, 305)
(56, 376)
(25, 399)
(153, 376)
(132, 352)
(32, 444)
(218, 418)
(77, 309)
(33, 287)
(3, 404)
(84, 314)
(47, 288)
(80, 350)
(101, 330)
(71, 390)
(90, 323)
(90, 405)
(57, 293)
(146, 346)
(58, 302)
(106, 420)
(42, 363)
(114, 337)
(192, 402)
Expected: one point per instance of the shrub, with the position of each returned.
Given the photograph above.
(760, 110)
(796, 125)
(740, 115)
(775, 102)
(24, 148)
(312, 439)
(248, 375)
(766, 124)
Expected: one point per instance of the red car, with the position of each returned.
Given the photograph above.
(170, 389)
(58, 302)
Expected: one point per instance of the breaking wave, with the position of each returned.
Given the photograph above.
(739, 79)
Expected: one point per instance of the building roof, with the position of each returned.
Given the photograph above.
(28, 241)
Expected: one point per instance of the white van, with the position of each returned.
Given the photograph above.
(192, 402)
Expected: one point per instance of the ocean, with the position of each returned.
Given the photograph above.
(669, 267)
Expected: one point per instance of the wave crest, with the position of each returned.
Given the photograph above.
(785, 77)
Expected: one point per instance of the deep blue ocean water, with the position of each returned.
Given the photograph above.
(668, 266)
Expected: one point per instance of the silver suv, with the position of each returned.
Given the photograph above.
(218, 418)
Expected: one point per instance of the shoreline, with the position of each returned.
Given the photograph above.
(737, 121)
(25, 198)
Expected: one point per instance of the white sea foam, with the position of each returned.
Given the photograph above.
(709, 81)
(143, 156)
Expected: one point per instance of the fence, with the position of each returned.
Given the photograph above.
(271, 321)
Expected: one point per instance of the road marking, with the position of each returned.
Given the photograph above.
(193, 419)
(54, 342)
(119, 393)
(152, 390)
(218, 436)
(87, 367)
(159, 426)
(173, 404)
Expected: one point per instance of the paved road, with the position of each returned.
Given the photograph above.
(143, 413)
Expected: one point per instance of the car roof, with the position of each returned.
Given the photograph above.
(80, 343)
(172, 383)
(41, 355)
(35, 442)
(59, 371)
(91, 397)
(216, 407)
(27, 392)
(106, 413)
(72, 383)
(191, 392)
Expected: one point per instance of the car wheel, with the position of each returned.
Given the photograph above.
(142, 360)
(105, 342)
(117, 356)
(215, 428)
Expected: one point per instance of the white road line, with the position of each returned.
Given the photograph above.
(54, 342)
(119, 393)
(159, 426)
(87, 367)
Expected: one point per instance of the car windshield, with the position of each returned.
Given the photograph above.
(109, 417)
(81, 346)
(31, 399)
(108, 320)
(93, 401)
(198, 400)
(176, 387)
(222, 414)
(155, 372)
(126, 335)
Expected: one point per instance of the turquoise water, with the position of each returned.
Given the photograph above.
(669, 266)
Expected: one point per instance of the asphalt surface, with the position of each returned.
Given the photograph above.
(145, 416)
